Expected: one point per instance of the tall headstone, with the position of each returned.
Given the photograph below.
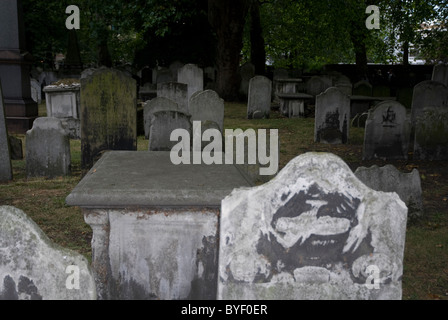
(431, 134)
(178, 92)
(314, 232)
(32, 267)
(428, 94)
(207, 105)
(440, 74)
(15, 65)
(332, 119)
(5, 159)
(259, 99)
(193, 76)
(156, 105)
(163, 123)
(390, 179)
(387, 132)
(108, 114)
(48, 149)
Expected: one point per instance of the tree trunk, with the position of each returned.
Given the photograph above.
(257, 47)
(227, 18)
(406, 53)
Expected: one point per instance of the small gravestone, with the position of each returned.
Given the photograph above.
(207, 105)
(313, 232)
(108, 114)
(317, 84)
(440, 74)
(387, 132)
(332, 119)
(5, 159)
(47, 149)
(362, 88)
(193, 76)
(36, 90)
(156, 105)
(163, 123)
(431, 134)
(16, 148)
(32, 267)
(178, 92)
(260, 89)
(428, 94)
(390, 179)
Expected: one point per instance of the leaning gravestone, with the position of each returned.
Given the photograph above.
(178, 92)
(108, 114)
(259, 100)
(207, 105)
(332, 119)
(440, 74)
(428, 94)
(387, 132)
(193, 76)
(156, 105)
(5, 159)
(431, 134)
(48, 149)
(314, 232)
(32, 267)
(163, 123)
(390, 179)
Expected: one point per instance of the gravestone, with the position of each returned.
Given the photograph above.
(332, 119)
(163, 123)
(362, 88)
(47, 149)
(108, 114)
(313, 232)
(390, 179)
(16, 148)
(5, 159)
(156, 105)
(259, 99)
(344, 84)
(164, 75)
(36, 90)
(431, 134)
(317, 84)
(32, 267)
(247, 72)
(178, 92)
(428, 94)
(193, 76)
(174, 68)
(440, 74)
(207, 105)
(387, 132)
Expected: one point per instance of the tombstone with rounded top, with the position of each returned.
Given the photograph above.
(155, 105)
(207, 105)
(428, 93)
(259, 100)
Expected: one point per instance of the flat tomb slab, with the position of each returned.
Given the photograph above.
(146, 179)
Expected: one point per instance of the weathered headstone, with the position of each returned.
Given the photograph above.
(164, 75)
(362, 88)
(317, 84)
(47, 149)
(332, 119)
(387, 132)
(156, 105)
(193, 76)
(163, 123)
(5, 159)
(431, 134)
(108, 114)
(440, 74)
(32, 267)
(428, 94)
(259, 99)
(174, 68)
(16, 148)
(390, 179)
(178, 92)
(36, 90)
(313, 232)
(344, 84)
(207, 105)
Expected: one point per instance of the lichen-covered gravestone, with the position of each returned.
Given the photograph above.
(5, 159)
(48, 149)
(390, 179)
(313, 232)
(259, 100)
(431, 134)
(108, 114)
(32, 267)
(332, 120)
(387, 132)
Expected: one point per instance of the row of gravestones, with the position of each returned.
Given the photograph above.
(316, 231)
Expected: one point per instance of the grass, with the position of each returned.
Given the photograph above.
(425, 273)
